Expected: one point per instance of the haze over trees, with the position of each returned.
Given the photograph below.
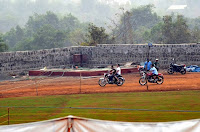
(34, 24)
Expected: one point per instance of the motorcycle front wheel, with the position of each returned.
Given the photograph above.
(102, 82)
(183, 71)
(143, 81)
(160, 80)
(141, 72)
(170, 70)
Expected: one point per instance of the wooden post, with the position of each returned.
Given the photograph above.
(148, 56)
(8, 115)
(69, 124)
(147, 82)
(36, 88)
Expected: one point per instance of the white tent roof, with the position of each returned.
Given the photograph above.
(77, 124)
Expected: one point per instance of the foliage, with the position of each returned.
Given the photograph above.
(3, 46)
(137, 25)
(37, 21)
(134, 20)
(156, 33)
(175, 31)
(142, 25)
(45, 38)
(46, 31)
(195, 35)
(96, 35)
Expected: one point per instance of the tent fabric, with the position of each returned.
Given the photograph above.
(57, 125)
(77, 124)
(193, 68)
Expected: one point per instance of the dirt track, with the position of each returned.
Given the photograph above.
(71, 85)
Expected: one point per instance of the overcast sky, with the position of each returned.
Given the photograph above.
(18, 11)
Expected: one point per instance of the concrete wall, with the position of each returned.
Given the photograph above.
(100, 55)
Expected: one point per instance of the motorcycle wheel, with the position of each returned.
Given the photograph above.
(143, 81)
(102, 82)
(120, 82)
(183, 71)
(170, 71)
(160, 80)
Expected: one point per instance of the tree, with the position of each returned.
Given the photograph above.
(69, 23)
(37, 21)
(77, 37)
(167, 30)
(19, 33)
(96, 35)
(156, 33)
(195, 35)
(131, 21)
(25, 44)
(175, 31)
(48, 37)
(10, 37)
(3, 46)
(14, 36)
(182, 32)
(45, 38)
(44, 31)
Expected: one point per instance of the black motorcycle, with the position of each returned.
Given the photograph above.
(176, 68)
(103, 81)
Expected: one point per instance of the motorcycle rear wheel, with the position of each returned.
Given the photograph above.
(120, 82)
(102, 82)
(142, 81)
(160, 80)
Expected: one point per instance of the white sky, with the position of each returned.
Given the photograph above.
(121, 2)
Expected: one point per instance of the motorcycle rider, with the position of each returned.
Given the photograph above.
(118, 72)
(118, 69)
(112, 73)
(154, 72)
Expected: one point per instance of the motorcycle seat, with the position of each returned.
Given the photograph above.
(118, 76)
(178, 65)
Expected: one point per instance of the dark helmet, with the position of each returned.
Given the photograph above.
(112, 66)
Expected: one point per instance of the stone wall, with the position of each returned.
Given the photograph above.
(100, 55)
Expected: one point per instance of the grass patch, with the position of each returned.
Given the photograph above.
(175, 100)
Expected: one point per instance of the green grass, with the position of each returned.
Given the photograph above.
(179, 100)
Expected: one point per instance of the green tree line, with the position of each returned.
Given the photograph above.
(138, 25)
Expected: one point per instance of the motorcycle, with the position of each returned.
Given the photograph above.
(141, 70)
(159, 79)
(105, 80)
(176, 68)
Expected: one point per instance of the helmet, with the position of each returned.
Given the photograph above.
(156, 59)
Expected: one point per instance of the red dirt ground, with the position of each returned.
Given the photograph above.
(75, 85)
